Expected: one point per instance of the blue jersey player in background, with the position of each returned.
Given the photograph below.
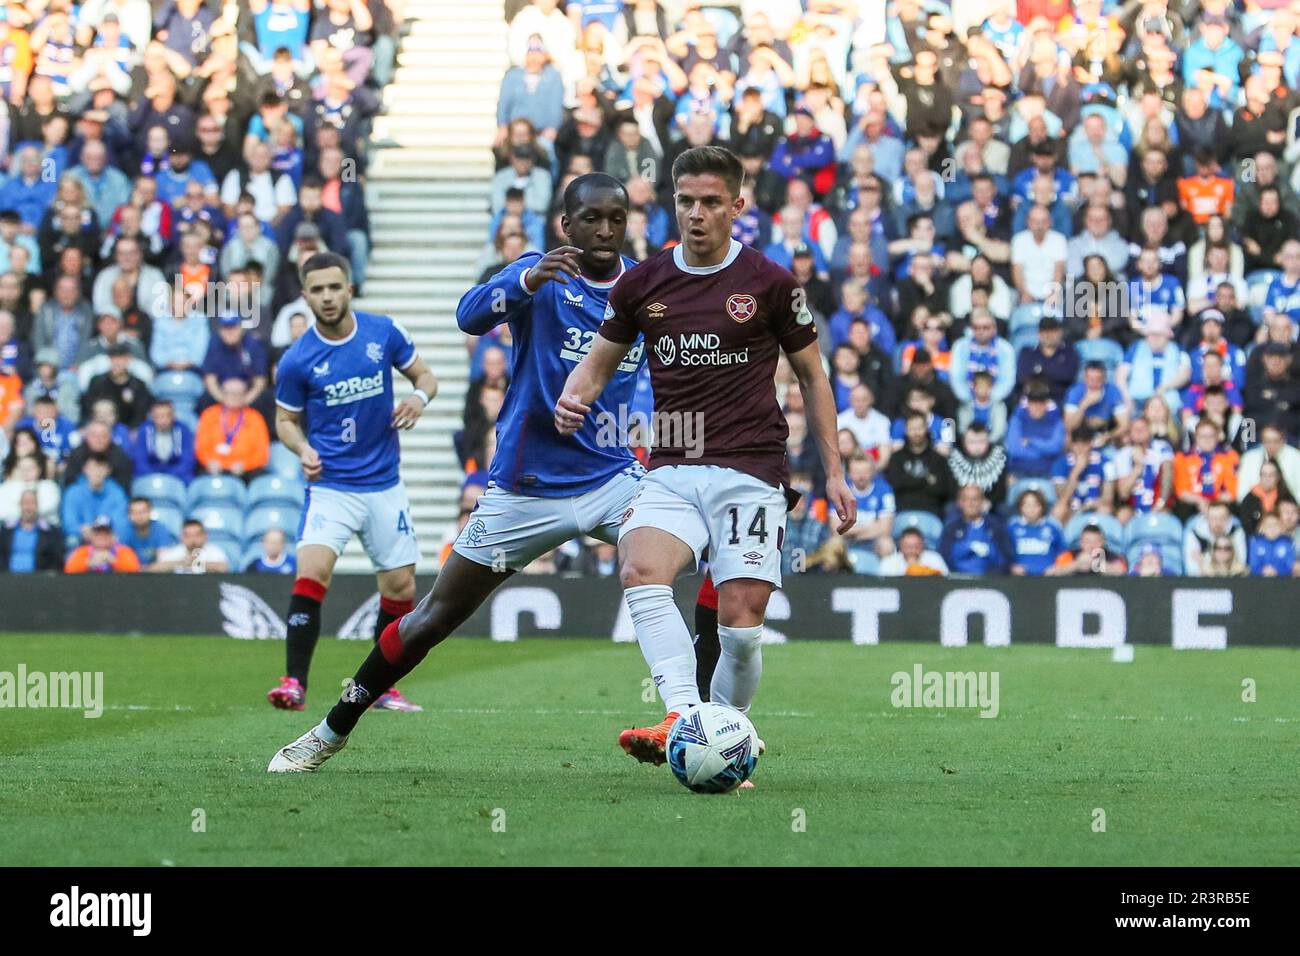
(336, 382)
(544, 489)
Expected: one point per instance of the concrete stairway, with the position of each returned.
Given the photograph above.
(427, 188)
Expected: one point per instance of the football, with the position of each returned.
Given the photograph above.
(712, 748)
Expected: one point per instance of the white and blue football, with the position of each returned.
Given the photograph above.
(712, 748)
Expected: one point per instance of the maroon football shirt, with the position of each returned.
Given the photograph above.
(713, 335)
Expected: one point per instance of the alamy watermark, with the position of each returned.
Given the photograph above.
(946, 689)
(66, 690)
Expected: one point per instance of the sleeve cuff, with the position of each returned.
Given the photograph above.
(286, 405)
(523, 284)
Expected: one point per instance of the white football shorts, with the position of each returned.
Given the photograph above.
(381, 518)
(740, 519)
(509, 530)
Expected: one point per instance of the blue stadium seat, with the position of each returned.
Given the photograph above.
(1106, 351)
(1109, 524)
(230, 547)
(1041, 485)
(1171, 555)
(217, 490)
(275, 490)
(865, 562)
(284, 462)
(1025, 337)
(1161, 527)
(267, 517)
(1257, 284)
(929, 526)
(724, 21)
(169, 516)
(161, 489)
(221, 519)
(182, 389)
(1025, 317)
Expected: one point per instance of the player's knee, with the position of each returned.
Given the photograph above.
(743, 603)
(399, 588)
(634, 574)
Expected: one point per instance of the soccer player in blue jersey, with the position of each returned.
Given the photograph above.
(338, 377)
(543, 488)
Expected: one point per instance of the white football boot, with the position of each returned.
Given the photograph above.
(304, 755)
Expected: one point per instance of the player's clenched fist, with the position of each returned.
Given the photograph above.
(311, 466)
(845, 505)
(556, 264)
(570, 414)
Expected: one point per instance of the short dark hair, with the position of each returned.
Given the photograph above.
(574, 192)
(140, 499)
(325, 260)
(711, 160)
(99, 458)
(1081, 433)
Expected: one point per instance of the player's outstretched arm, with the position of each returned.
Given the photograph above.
(819, 401)
(409, 409)
(586, 382)
(508, 293)
(288, 428)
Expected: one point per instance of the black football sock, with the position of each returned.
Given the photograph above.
(303, 627)
(707, 646)
(387, 663)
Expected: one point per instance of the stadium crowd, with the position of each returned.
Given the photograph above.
(1052, 248)
(163, 166)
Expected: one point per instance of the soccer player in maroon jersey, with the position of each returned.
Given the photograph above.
(715, 315)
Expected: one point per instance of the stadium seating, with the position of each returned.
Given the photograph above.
(865, 562)
(221, 519)
(217, 490)
(1157, 526)
(1109, 525)
(1041, 485)
(285, 463)
(276, 490)
(929, 525)
(230, 546)
(1171, 556)
(263, 519)
(169, 516)
(182, 389)
(160, 489)
(1105, 351)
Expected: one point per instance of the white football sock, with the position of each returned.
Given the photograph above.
(328, 734)
(665, 643)
(740, 665)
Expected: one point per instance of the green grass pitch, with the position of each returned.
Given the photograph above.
(516, 762)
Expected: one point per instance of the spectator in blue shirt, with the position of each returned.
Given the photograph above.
(163, 446)
(975, 541)
(856, 305)
(29, 193)
(145, 536)
(1035, 435)
(275, 557)
(1271, 552)
(235, 353)
(982, 350)
(1084, 476)
(534, 91)
(183, 27)
(1095, 402)
(874, 532)
(1036, 540)
(1215, 56)
(280, 23)
(93, 495)
(55, 433)
(28, 543)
